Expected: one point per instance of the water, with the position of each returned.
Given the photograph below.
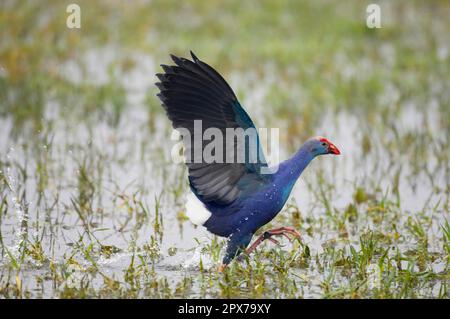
(124, 175)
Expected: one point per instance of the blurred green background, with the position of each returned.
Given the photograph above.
(307, 44)
(89, 195)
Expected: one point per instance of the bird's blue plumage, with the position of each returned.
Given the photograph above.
(258, 206)
(239, 196)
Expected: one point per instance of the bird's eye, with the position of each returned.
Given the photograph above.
(324, 144)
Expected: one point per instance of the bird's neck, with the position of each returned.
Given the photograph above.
(290, 170)
(293, 167)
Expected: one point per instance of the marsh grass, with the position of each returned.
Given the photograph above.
(91, 204)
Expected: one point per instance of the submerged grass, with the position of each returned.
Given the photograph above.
(91, 204)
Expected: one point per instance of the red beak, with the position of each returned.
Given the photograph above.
(332, 149)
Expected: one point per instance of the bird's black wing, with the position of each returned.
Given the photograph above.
(192, 90)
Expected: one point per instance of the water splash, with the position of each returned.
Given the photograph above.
(199, 257)
(20, 236)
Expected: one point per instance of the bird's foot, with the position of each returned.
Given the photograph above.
(283, 231)
(222, 268)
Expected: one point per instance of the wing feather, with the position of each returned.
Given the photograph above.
(193, 90)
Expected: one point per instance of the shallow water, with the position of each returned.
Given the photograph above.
(91, 196)
(130, 164)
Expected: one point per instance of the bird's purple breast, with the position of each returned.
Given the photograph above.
(256, 211)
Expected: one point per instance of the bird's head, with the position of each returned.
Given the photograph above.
(320, 145)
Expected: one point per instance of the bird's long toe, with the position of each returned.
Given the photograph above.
(222, 268)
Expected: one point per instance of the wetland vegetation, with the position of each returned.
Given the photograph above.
(91, 205)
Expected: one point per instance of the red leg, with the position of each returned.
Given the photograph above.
(283, 231)
(266, 235)
(286, 230)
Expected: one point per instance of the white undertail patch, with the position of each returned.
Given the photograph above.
(196, 211)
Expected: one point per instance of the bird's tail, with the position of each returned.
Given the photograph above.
(195, 210)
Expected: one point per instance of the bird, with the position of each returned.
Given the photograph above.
(231, 199)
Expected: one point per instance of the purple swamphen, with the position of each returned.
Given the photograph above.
(239, 198)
